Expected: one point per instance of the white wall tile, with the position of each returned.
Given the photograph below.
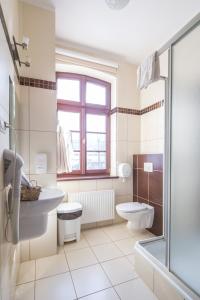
(152, 125)
(43, 116)
(22, 147)
(87, 185)
(23, 108)
(132, 148)
(113, 158)
(123, 198)
(133, 126)
(152, 146)
(104, 184)
(122, 129)
(123, 188)
(44, 179)
(113, 126)
(122, 152)
(43, 142)
(69, 187)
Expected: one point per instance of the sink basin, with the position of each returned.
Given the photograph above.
(34, 214)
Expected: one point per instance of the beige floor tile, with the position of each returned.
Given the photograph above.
(89, 280)
(108, 294)
(107, 252)
(70, 246)
(25, 291)
(51, 265)
(119, 270)
(131, 258)
(81, 258)
(126, 245)
(96, 237)
(59, 287)
(134, 289)
(142, 236)
(26, 272)
(117, 232)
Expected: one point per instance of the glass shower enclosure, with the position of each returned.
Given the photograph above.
(184, 193)
(177, 252)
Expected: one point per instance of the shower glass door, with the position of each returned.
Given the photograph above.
(184, 234)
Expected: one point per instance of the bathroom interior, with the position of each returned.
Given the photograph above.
(99, 139)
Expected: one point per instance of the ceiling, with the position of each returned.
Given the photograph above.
(133, 33)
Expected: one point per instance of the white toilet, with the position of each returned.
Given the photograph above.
(139, 215)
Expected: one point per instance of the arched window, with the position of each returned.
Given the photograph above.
(83, 105)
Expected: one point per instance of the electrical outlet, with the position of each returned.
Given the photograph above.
(148, 167)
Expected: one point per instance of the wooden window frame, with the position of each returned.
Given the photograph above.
(83, 108)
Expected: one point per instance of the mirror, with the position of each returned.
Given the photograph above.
(11, 114)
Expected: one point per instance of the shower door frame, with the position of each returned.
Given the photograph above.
(168, 134)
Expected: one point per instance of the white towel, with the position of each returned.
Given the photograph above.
(148, 71)
(64, 152)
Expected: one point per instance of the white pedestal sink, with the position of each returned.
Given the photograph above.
(34, 214)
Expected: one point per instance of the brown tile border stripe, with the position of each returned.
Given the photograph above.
(137, 111)
(152, 107)
(39, 83)
(125, 111)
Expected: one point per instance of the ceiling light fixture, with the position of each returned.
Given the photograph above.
(117, 4)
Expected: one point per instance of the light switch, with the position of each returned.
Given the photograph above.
(148, 167)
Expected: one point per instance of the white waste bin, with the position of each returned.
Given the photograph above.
(69, 225)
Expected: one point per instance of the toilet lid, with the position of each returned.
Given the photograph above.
(69, 207)
(132, 207)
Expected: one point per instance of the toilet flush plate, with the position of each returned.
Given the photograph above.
(148, 167)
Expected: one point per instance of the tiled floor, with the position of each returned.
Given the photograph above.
(99, 267)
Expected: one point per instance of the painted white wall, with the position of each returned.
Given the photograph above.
(39, 25)
(9, 254)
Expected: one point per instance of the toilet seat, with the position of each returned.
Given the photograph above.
(131, 207)
(139, 215)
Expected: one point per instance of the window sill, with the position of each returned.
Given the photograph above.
(95, 177)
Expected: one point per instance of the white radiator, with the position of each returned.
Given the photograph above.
(97, 205)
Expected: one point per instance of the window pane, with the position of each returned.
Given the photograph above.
(96, 141)
(96, 160)
(76, 161)
(68, 89)
(95, 94)
(69, 120)
(96, 123)
(76, 141)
